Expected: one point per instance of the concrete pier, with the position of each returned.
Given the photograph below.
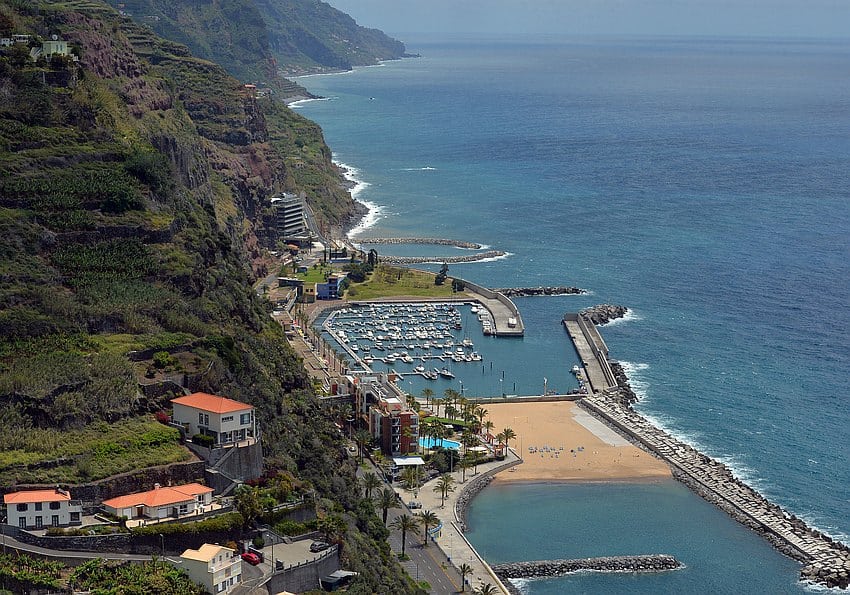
(545, 568)
(827, 562)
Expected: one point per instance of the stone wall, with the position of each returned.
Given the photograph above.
(304, 577)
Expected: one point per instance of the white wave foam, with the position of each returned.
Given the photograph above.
(426, 168)
(303, 102)
(637, 380)
(315, 74)
(491, 259)
(522, 584)
(629, 316)
(374, 213)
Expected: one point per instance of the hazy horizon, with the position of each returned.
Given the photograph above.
(748, 18)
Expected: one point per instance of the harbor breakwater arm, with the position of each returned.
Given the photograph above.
(444, 259)
(424, 241)
(826, 561)
(546, 568)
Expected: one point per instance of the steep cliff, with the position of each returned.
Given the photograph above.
(131, 187)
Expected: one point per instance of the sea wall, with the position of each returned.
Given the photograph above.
(431, 241)
(827, 561)
(473, 488)
(540, 291)
(545, 568)
(603, 313)
(446, 259)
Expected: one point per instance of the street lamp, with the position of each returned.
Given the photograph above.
(162, 544)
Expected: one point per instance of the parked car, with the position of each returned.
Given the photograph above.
(414, 504)
(251, 558)
(319, 546)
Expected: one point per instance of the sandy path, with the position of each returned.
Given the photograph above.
(591, 451)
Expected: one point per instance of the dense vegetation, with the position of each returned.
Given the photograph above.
(132, 193)
(255, 39)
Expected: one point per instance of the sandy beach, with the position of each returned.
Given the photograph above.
(591, 451)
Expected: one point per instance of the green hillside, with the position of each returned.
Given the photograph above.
(133, 188)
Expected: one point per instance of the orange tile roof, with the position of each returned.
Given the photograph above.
(36, 496)
(163, 496)
(211, 403)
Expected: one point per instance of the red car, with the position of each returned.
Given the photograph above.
(251, 558)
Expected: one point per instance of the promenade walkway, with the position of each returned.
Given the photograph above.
(451, 539)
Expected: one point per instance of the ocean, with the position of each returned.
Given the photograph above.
(703, 183)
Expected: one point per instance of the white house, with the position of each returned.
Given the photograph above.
(161, 502)
(217, 568)
(224, 419)
(37, 509)
(54, 46)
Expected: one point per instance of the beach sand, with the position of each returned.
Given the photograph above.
(591, 450)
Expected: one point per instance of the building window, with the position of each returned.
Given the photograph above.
(38, 506)
(54, 506)
(54, 520)
(22, 507)
(184, 508)
(201, 419)
(75, 517)
(22, 522)
(39, 523)
(226, 418)
(244, 419)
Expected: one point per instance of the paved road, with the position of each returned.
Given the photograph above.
(427, 563)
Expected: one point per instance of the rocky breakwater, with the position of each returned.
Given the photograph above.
(603, 313)
(539, 291)
(444, 259)
(429, 241)
(827, 562)
(545, 568)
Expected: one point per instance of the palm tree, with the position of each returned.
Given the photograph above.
(481, 413)
(410, 478)
(248, 503)
(428, 519)
(370, 481)
(464, 464)
(362, 437)
(387, 499)
(487, 589)
(444, 486)
(450, 411)
(509, 435)
(465, 570)
(404, 523)
(487, 426)
(500, 438)
(427, 393)
(333, 527)
(413, 403)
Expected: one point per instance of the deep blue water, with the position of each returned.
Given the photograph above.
(703, 183)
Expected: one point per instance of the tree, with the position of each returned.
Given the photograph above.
(464, 464)
(487, 426)
(404, 523)
(487, 589)
(333, 527)
(427, 394)
(500, 438)
(427, 519)
(509, 435)
(387, 499)
(362, 437)
(444, 485)
(410, 478)
(465, 570)
(248, 503)
(370, 481)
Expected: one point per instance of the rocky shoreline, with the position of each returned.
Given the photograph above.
(539, 291)
(424, 241)
(603, 313)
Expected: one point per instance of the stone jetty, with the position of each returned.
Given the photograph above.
(603, 313)
(826, 561)
(538, 291)
(544, 568)
(431, 241)
(447, 259)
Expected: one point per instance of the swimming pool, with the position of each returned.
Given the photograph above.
(432, 443)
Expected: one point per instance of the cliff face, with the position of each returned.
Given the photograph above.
(132, 188)
(256, 40)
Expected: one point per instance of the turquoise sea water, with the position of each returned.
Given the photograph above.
(703, 183)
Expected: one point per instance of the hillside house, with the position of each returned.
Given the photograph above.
(161, 502)
(217, 568)
(36, 509)
(226, 420)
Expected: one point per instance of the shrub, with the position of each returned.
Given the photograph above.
(162, 417)
(225, 523)
(258, 542)
(203, 440)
